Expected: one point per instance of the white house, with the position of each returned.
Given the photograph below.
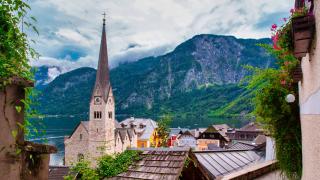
(186, 139)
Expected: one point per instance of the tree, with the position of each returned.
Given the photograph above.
(161, 133)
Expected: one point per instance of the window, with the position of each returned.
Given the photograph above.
(110, 115)
(97, 114)
(80, 157)
(97, 130)
(80, 137)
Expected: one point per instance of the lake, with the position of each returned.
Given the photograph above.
(56, 128)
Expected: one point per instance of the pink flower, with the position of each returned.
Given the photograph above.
(274, 26)
(285, 19)
(292, 11)
(276, 47)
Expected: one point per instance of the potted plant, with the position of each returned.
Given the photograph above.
(303, 26)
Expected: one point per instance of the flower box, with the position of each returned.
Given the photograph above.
(302, 30)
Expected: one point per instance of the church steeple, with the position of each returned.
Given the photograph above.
(102, 84)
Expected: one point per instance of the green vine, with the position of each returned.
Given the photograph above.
(271, 86)
(15, 54)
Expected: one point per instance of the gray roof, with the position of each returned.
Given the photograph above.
(242, 146)
(145, 132)
(102, 76)
(252, 126)
(123, 132)
(220, 163)
(157, 163)
(85, 124)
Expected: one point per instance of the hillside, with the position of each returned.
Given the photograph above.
(196, 82)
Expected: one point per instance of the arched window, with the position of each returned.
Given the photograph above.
(80, 157)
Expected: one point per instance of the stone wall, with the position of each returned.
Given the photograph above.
(74, 146)
(309, 95)
(19, 159)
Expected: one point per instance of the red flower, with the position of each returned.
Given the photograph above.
(274, 26)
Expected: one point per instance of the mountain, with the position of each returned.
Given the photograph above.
(196, 82)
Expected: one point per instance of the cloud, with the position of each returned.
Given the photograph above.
(70, 30)
(52, 74)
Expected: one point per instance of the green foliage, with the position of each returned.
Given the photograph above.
(280, 119)
(14, 47)
(15, 51)
(108, 166)
(84, 170)
(162, 131)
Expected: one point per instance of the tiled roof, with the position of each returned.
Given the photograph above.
(157, 163)
(222, 129)
(186, 133)
(251, 127)
(57, 172)
(220, 163)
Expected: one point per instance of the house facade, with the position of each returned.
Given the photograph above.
(309, 98)
(144, 129)
(211, 136)
(186, 139)
(101, 134)
(246, 133)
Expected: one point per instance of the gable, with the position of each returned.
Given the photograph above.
(81, 128)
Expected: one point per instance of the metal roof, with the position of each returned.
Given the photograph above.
(242, 146)
(220, 163)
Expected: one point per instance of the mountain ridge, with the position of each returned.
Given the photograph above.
(203, 66)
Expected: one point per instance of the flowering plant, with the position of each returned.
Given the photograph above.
(280, 118)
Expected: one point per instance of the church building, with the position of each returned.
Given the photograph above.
(102, 134)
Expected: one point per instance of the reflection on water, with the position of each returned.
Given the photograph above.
(58, 127)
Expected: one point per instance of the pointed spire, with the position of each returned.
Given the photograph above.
(102, 77)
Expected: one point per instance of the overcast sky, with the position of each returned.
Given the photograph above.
(70, 29)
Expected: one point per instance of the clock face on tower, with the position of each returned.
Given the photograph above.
(97, 100)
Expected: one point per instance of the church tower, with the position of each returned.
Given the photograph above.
(102, 107)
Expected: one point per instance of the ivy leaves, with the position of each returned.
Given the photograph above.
(15, 50)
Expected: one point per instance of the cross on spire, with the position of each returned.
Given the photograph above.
(104, 18)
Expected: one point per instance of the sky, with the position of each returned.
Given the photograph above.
(70, 30)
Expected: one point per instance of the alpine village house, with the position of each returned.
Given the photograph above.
(102, 134)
